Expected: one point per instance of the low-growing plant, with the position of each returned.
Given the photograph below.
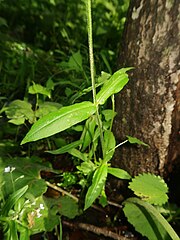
(25, 209)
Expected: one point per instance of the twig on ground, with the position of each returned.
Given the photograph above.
(96, 230)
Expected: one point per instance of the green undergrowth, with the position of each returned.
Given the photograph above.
(57, 114)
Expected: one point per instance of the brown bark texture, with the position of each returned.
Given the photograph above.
(149, 106)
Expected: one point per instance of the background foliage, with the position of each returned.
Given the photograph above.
(44, 67)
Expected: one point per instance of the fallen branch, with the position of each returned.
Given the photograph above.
(96, 230)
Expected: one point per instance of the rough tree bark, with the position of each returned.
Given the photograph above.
(149, 106)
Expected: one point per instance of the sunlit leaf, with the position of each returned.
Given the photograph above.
(114, 85)
(60, 120)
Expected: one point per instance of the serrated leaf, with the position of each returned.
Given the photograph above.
(148, 221)
(119, 173)
(114, 85)
(134, 140)
(60, 120)
(98, 182)
(150, 188)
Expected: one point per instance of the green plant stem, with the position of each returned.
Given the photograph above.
(91, 58)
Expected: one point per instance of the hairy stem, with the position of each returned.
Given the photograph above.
(92, 67)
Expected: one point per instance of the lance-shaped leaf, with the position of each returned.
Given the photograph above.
(13, 199)
(114, 85)
(147, 220)
(98, 182)
(119, 173)
(60, 120)
(66, 148)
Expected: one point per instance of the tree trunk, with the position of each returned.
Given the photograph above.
(149, 106)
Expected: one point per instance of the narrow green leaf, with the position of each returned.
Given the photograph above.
(12, 233)
(12, 200)
(98, 182)
(88, 132)
(119, 173)
(109, 145)
(60, 120)
(134, 140)
(148, 221)
(76, 153)
(114, 85)
(66, 148)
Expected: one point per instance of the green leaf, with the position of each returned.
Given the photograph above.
(60, 120)
(150, 188)
(66, 148)
(64, 205)
(69, 207)
(88, 132)
(26, 172)
(134, 140)
(36, 214)
(38, 89)
(109, 114)
(114, 85)
(98, 182)
(11, 233)
(46, 107)
(19, 111)
(74, 63)
(76, 153)
(119, 173)
(86, 167)
(103, 198)
(148, 221)
(109, 145)
(12, 200)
